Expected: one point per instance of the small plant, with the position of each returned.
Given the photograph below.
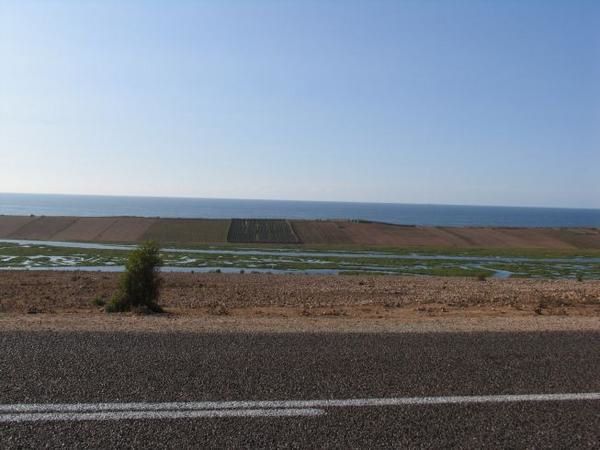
(139, 286)
(99, 301)
(481, 277)
(579, 277)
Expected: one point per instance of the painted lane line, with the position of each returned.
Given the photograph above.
(292, 404)
(144, 415)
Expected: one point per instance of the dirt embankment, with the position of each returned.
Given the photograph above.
(283, 301)
(301, 232)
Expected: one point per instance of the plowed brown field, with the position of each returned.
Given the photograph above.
(10, 224)
(580, 237)
(42, 228)
(326, 233)
(374, 234)
(85, 229)
(510, 238)
(396, 236)
(188, 230)
(126, 229)
(310, 232)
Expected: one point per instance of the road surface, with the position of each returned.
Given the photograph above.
(176, 390)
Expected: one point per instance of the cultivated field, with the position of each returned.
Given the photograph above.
(261, 231)
(515, 238)
(311, 232)
(93, 229)
(336, 233)
(373, 234)
(388, 235)
(43, 227)
(193, 231)
(85, 229)
(126, 229)
(9, 225)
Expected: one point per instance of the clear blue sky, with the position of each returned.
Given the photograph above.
(464, 102)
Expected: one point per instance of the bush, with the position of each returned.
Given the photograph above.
(99, 301)
(139, 286)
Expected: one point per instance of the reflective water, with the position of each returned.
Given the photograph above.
(306, 253)
(442, 215)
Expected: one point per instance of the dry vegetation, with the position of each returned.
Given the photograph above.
(295, 295)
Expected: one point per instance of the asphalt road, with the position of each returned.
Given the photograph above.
(128, 371)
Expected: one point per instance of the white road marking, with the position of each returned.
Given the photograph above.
(137, 415)
(251, 408)
(260, 404)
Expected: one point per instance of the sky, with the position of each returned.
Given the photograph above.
(443, 102)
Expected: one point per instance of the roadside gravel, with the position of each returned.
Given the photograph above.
(263, 302)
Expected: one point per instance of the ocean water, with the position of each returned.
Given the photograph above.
(408, 214)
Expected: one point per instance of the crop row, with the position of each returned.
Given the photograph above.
(268, 231)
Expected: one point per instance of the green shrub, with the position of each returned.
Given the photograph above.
(99, 301)
(139, 286)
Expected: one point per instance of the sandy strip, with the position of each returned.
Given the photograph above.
(217, 324)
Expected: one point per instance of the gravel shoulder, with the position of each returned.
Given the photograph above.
(264, 302)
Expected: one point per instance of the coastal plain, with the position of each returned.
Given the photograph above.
(279, 274)
(324, 233)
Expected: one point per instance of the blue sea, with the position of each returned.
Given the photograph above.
(408, 214)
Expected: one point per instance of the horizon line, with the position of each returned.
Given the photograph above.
(174, 197)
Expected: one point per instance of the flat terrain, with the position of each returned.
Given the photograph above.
(379, 234)
(190, 231)
(61, 300)
(309, 233)
(261, 232)
(129, 370)
(41, 227)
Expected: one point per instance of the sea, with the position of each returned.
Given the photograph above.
(396, 213)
